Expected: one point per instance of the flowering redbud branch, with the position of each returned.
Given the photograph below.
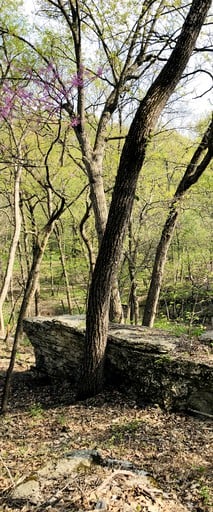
(44, 91)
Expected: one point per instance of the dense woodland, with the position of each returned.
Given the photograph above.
(91, 96)
(106, 145)
(72, 247)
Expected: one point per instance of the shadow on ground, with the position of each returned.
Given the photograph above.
(27, 389)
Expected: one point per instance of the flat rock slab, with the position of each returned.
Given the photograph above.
(156, 366)
(141, 337)
(29, 490)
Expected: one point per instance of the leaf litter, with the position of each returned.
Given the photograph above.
(44, 423)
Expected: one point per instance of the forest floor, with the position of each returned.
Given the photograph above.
(44, 422)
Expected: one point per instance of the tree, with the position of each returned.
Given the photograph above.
(12, 156)
(130, 49)
(40, 244)
(198, 164)
(29, 293)
(132, 158)
(16, 232)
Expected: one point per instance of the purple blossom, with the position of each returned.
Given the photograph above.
(99, 71)
(7, 103)
(43, 91)
(5, 111)
(77, 80)
(50, 67)
(75, 122)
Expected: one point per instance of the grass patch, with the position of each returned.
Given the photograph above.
(36, 411)
(179, 328)
(120, 433)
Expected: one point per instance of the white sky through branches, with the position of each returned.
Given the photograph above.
(195, 105)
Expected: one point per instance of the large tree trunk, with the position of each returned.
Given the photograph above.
(93, 161)
(116, 309)
(99, 205)
(131, 161)
(193, 172)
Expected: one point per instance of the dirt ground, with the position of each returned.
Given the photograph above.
(44, 422)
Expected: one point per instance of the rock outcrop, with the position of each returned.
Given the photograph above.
(156, 366)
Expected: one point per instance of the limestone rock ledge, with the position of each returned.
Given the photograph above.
(145, 361)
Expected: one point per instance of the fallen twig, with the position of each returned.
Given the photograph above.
(115, 474)
(54, 499)
(206, 414)
(123, 474)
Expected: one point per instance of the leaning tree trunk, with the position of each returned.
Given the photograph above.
(29, 293)
(31, 287)
(131, 161)
(158, 268)
(193, 172)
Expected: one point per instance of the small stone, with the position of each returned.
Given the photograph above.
(101, 505)
(29, 490)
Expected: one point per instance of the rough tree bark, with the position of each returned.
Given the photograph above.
(131, 161)
(194, 170)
